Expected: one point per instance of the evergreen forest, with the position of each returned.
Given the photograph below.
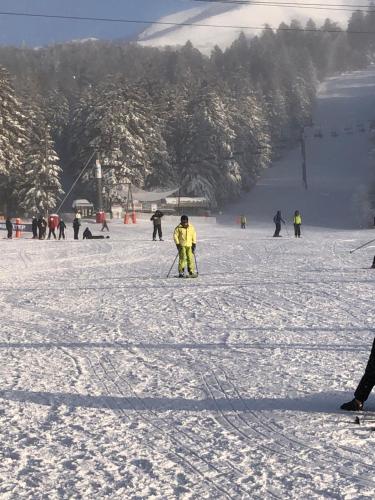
(162, 118)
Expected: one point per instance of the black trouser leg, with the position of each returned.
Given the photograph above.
(76, 231)
(154, 233)
(277, 229)
(159, 232)
(368, 380)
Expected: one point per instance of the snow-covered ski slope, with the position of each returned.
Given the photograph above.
(119, 383)
(339, 168)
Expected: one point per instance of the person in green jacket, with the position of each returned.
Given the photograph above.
(297, 221)
(185, 238)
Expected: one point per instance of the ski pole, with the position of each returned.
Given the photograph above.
(361, 246)
(286, 227)
(196, 263)
(169, 272)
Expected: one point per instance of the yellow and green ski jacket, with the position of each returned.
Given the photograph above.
(185, 236)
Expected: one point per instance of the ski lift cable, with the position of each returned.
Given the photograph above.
(288, 4)
(75, 182)
(193, 25)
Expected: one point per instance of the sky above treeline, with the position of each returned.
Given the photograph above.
(36, 31)
(229, 20)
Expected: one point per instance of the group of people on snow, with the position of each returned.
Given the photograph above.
(40, 224)
(185, 238)
(277, 219)
(297, 221)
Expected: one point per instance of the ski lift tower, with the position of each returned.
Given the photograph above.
(129, 208)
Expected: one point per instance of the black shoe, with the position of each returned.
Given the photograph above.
(353, 405)
(153, 239)
(181, 275)
(161, 239)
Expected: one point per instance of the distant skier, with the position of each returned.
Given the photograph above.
(243, 221)
(278, 220)
(42, 226)
(87, 235)
(156, 219)
(365, 385)
(51, 227)
(61, 227)
(104, 225)
(9, 228)
(297, 221)
(185, 238)
(76, 226)
(34, 227)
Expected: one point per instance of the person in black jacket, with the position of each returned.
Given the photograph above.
(156, 219)
(278, 220)
(42, 226)
(76, 226)
(365, 385)
(87, 235)
(61, 227)
(34, 227)
(9, 227)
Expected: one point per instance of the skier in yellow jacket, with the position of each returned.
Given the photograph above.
(185, 238)
(297, 221)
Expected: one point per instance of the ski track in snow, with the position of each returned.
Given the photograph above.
(120, 383)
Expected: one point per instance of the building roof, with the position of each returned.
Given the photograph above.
(81, 203)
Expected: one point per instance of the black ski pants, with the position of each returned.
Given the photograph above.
(61, 234)
(278, 228)
(51, 232)
(368, 380)
(297, 230)
(157, 228)
(76, 231)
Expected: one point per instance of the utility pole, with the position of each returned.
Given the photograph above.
(99, 187)
(46, 160)
(303, 152)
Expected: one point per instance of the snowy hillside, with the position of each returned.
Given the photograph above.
(339, 164)
(118, 383)
(205, 38)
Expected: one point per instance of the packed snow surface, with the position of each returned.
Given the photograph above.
(117, 382)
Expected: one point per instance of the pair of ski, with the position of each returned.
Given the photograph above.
(366, 418)
(187, 276)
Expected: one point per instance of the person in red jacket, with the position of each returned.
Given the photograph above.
(51, 227)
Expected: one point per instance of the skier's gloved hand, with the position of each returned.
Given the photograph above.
(193, 247)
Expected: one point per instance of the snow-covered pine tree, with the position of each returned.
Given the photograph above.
(252, 138)
(119, 123)
(12, 141)
(209, 168)
(40, 186)
(277, 117)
